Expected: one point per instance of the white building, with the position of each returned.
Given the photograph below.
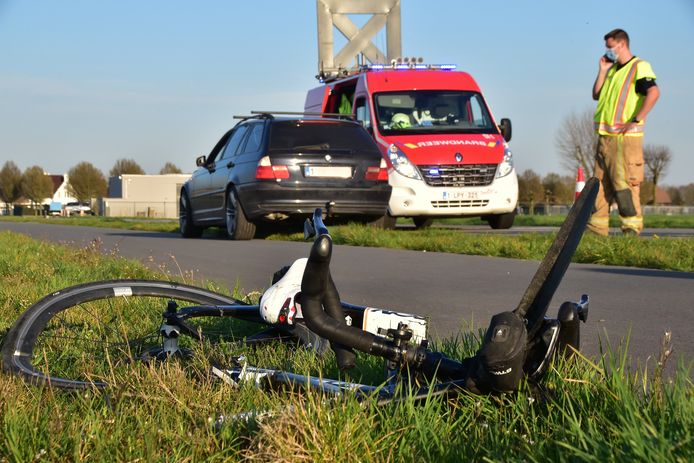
(132, 195)
(60, 190)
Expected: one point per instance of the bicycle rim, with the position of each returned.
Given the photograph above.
(91, 335)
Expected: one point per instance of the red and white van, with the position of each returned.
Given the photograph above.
(446, 155)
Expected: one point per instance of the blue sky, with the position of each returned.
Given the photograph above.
(159, 80)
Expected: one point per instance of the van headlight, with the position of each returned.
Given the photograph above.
(506, 166)
(402, 164)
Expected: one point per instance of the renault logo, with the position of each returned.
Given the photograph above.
(458, 157)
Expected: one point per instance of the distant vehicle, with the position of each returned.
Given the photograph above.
(446, 155)
(55, 208)
(76, 208)
(269, 168)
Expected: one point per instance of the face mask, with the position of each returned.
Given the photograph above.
(611, 55)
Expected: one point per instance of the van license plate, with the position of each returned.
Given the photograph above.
(328, 171)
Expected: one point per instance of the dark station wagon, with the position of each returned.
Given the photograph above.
(269, 168)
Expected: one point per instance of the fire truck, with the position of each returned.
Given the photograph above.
(445, 153)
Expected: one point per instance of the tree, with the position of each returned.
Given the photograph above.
(657, 158)
(688, 194)
(577, 142)
(675, 195)
(10, 183)
(646, 193)
(170, 168)
(86, 182)
(530, 190)
(561, 190)
(36, 185)
(126, 166)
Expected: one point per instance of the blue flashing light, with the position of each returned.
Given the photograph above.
(434, 172)
(448, 67)
(421, 66)
(377, 67)
(402, 66)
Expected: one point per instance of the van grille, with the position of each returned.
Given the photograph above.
(459, 175)
(463, 203)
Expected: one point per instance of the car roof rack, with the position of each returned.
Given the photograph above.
(271, 114)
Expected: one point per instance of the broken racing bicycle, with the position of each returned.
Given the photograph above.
(76, 337)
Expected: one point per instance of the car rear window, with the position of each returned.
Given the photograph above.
(323, 136)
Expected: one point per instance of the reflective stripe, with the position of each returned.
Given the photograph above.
(617, 128)
(598, 221)
(634, 220)
(624, 93)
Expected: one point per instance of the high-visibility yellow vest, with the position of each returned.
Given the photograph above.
(619, 103)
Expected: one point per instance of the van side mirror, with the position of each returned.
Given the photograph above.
(505, 128)
(200, 161)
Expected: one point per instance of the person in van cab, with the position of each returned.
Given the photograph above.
(421, 112)
(400, 121)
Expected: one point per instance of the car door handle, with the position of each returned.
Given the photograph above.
(230, 164)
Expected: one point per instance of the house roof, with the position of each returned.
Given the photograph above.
(56, 180)
(662, 196)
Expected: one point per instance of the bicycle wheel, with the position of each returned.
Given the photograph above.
(85, 336)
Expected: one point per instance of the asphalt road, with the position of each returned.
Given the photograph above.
(455, 291)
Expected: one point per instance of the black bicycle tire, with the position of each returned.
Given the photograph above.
(17, 349)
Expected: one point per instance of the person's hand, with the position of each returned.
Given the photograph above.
(604, 64)
(628, 126)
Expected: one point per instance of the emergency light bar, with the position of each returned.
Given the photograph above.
(404, 66)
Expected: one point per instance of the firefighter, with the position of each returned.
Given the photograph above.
(626, 92)
(400, 121)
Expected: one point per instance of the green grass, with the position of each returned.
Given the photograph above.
(171, 225)
(656, 253)
(650, 221)
(127, 223)
(592, 410)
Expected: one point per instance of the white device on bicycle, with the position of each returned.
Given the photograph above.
(279, 304)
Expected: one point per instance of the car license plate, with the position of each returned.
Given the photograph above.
(328, 171)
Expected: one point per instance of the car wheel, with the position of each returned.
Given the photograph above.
(386, 222)
(238, 226)
(185, 219)
(422, 222)
(501, 221)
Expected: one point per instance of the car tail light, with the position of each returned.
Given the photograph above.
(266, 170)
(378, 173)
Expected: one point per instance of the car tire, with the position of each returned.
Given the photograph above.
(185, 219)
(386, 222)
(501, 221)
(422, 222)
(237, 224)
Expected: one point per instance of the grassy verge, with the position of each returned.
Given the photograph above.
(591, 411)
(656, 253)
(650, 221)
(171, 225)
(158, 225)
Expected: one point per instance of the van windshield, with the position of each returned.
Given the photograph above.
(432, 111)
